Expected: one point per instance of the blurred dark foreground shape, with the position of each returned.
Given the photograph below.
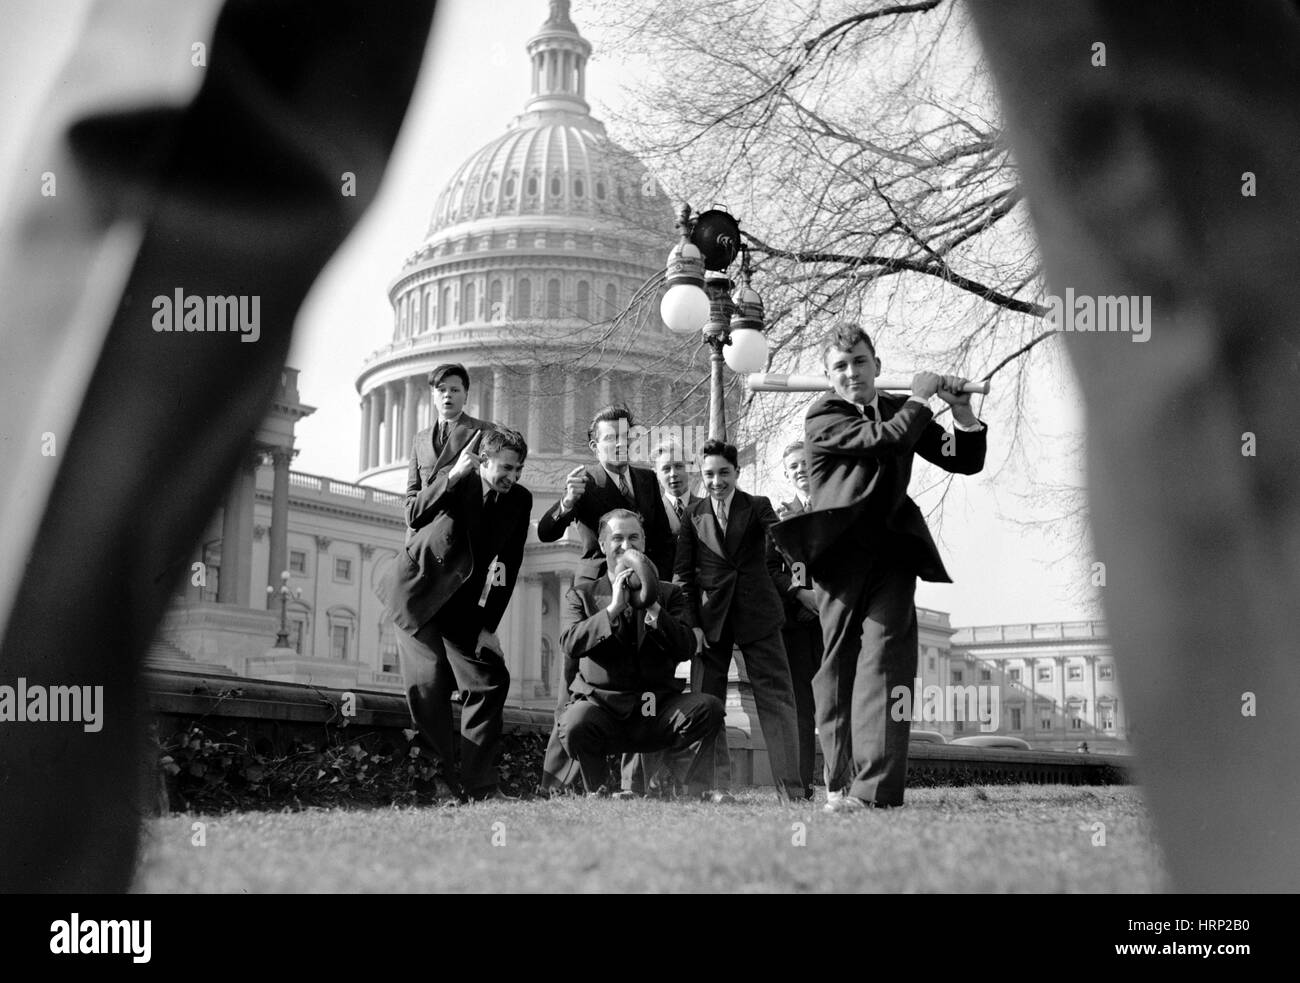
(1134, 172)
(220, 180)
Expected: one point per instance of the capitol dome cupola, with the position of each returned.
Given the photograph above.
(559, 55)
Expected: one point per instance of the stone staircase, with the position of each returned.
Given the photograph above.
(167, 655)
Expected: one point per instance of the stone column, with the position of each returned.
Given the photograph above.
(364, 452)
(391, 399)
(512, 633)
(534, 432)
(1060, 670)
(570, 404)
(1090, 689)
(372, 429)
(237, 537)
(637, 400)
(412, 418)
(500, 398)
(522, 657)
(279, 544)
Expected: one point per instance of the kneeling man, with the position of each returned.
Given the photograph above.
(625, 695)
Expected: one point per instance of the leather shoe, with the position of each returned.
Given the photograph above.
(718, 796)
(843, 802)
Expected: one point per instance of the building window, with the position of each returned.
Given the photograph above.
(1074, 674)
(496, 309)
(584, 300)
(444, 307)
(956, 675)
(298, 562)
(1076, 723)
(532, 185)
(600, 190)
(1044, 674)
(1044, 723)
(467, 305)
(1014, 675)
(1015, 718)
(342, 630)
(297, 631)
(524, 298)
(388, 648)
(339, 639)
(931, 663)
(577, 187)
(510, 186)
(958, 726)
(552, 298)
(1105, 672)
(556, 186)
(211, 560)
(298, 619)
(1106, 717)
(611, 299)
(985, 675)
(342, 570)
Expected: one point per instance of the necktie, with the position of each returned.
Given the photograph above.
(625, 488)
(442, 435)
(722, 515)
(869, 413)
(677, 505)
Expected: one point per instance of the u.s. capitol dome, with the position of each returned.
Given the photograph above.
(538, 240)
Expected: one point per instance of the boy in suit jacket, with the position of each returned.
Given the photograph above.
(865, 544)
(436, 448)
(447, 592)
(590, 491)
(802, 634)
(730, 572)
(625, 695)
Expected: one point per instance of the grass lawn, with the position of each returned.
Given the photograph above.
(990, 839)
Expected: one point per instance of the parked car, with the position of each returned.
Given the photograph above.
(926, 737)
(993, 740)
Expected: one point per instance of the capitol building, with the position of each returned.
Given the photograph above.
(534, 274)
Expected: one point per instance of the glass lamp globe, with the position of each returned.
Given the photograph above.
(685, 308)
(747, 351)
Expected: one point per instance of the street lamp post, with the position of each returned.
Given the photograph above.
(700, 298)
(282, 639)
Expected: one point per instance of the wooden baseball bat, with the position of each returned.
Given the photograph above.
(782, 382)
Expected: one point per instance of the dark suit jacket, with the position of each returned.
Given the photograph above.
(795, 613)
(740, 578)
(858, 471)
(426, 463)
(670, 513)
(614, 670)
(601, 496)
(446, 561)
